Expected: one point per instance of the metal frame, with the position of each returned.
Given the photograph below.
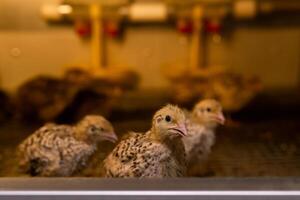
(181, 188)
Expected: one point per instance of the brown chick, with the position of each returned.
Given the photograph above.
(233, 90)
(201, 124)
(60, 150)
(157, 153)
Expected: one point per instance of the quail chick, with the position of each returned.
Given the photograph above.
(157, 153)
(233, 90)
(61, 150)
(201, 124)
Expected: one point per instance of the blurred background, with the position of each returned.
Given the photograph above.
(63, 59)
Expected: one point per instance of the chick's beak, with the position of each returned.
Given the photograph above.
(111, 136)
(220, 118)
(181, 129)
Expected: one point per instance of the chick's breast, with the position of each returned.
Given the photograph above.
(139, 156)
(198, 143)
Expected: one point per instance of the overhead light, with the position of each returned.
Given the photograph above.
(64, 9)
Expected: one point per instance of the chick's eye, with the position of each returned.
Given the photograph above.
(168, 118)
(208, 109)
(93, 129)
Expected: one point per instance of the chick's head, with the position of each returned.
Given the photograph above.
(95, 128)
(209, 113)
(169, 122)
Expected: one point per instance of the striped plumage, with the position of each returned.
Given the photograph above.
(61, 150)
(157, 153)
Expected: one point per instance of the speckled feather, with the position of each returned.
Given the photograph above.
(139, 156)
(53, 151)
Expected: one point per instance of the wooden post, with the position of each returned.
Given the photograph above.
(97, 43)
(196, 48)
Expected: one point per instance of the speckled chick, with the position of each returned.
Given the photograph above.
(61, 150)
(156, 153)
(201, 124)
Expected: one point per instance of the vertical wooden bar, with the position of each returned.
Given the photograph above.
(97, 46)
(196, 48)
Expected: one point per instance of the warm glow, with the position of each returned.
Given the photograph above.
(65, 9)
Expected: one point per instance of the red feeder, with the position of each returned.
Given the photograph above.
(212, 26)
(112, 29)
(83, 28)
(184, 26)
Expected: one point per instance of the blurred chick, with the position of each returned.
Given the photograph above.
(201, 124)
(157, 153)
(233, 90)
(60, 150)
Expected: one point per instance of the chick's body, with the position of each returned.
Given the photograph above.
(53, 151)
(157, 153)
(198, 142)
(201, 124)
(61, 150)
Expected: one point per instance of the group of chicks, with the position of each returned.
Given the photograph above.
(176, 139)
